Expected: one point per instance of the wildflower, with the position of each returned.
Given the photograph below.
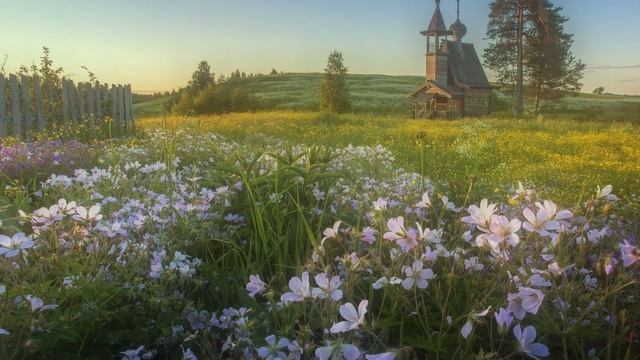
(448, 205)
(425, 203)
(384, 281)
(327, 288)
(255, 285)
(630, 254)
(382, 356)
(468, 326)
(66, 208)
(133, 354)
(605, 193)
(91, 215)
(480, 216)
(300, 289)
(380, 204)
(473, 264)
(112, 230)
(331, 233)
(337, 351)
(396, 229)
(536, 280)
(45, 217)
(38, 305)
(527, 300)
(504, 320)
(13, 246)
(273, 350)
(353, 318)
(187, 355)
(4, 332)
(503, 230)
(546, 220)
(417, 276)
(156, 263)
(526, 343)
(368, 235)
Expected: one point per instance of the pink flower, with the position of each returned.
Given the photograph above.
(425, 203)
(353, 318)
(396, 229)
(546, 220)
(502, 230)
(480, 216)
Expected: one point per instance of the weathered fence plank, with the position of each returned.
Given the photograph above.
(37, 97)
(26, 105)
(15, 105)
(30, 104)
(73, 103)
(81, 104)
(3, 109)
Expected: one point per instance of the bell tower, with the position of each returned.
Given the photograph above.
(437, 58)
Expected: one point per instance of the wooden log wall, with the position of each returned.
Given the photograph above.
(29, 104)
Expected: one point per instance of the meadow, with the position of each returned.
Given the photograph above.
(295, 235)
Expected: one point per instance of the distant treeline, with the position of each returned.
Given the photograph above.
(204, 94)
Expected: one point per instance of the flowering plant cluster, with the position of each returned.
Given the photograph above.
(191, 246)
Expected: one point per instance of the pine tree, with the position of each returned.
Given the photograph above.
(334, 92)
(201, 78)
(528, 44)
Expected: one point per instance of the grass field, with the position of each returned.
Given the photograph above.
(566, 158)
(387, 95)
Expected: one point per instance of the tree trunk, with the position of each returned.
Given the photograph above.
(518, 107)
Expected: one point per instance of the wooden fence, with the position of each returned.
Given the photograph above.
(29, 105)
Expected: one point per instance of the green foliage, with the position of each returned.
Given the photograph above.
(334, 92)
(201, 79)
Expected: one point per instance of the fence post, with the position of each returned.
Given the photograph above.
(65, 104)
(37, 96)
(115, 127)
(98, 99)
(73, 104)
(121, 118)
(3, 110)
(81, 103)
(26, 104)
(92, 108)
(15, 106)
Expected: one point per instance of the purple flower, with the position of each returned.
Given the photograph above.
(526, 343)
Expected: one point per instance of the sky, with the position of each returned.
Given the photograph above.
(156, 45)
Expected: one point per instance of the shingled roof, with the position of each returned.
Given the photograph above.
(465, 66)
(437, 24)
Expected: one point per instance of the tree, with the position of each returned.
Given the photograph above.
(528, 44)
(599, 90)
(201, 78)
(551, 66)
(274, 72)
(334, 92)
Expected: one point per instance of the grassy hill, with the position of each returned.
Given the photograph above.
(387, 95)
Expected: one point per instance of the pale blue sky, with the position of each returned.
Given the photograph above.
(155, 45)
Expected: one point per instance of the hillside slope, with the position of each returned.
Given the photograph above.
(388, 95)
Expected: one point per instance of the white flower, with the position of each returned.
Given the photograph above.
(38, 305)
(480, 216)
(384, 281)
(503, 230)
(91, 215)
(331, 233)
(255, 285)
(338, 351)
(416, 275)
(300, 289)
(327, 288)
(546, 220)
(12, 246)
(606, 193)
(380, 204)
(396, 229)
(425, 203)
(66, 208)
(527, 300)
(353, 318)
(526, 343)
(382, 356)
